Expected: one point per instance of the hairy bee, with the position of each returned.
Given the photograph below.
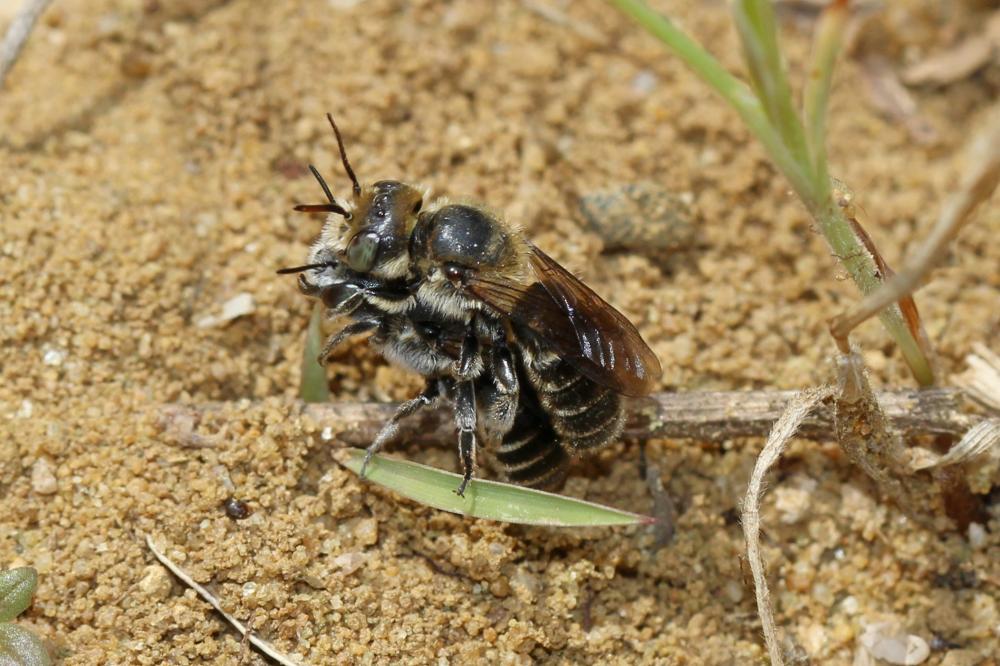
(535, 363)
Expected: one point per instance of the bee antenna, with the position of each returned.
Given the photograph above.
(343, 156)
(332, 207)
(301, 269)
(322, 183)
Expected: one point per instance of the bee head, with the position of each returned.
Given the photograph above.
(379, 228)
(373, 236)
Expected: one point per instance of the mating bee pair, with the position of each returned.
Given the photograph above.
(535, 363)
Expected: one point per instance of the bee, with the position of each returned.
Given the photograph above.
(535, 363)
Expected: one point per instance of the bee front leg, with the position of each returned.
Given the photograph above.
(350, 330)
(389, 430)
(465, 417)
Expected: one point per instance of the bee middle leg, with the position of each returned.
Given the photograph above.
(391, 428)
(465, 418)
(357, 328)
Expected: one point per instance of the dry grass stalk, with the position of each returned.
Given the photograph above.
(259, 643)
(17, 34)
(796, 412)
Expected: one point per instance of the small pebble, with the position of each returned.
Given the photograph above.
(887, 641)
(642, 217)
(43, 478)
(977, 536)
(349, 562)
(53, 357)
(156, 582)
(366, 532)
(238, 306)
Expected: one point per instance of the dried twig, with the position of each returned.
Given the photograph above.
(794, 416)
(977, 186)
(704, 416)
(17, 34)
(262, 645)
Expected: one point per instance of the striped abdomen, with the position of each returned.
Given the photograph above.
(530, 451)
(583, 413)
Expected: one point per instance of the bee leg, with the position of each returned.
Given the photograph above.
(507, 390)
(337, 338)
(465, 417)
(389, 430)
(465, 366)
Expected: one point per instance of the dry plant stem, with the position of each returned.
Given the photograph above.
(705, 416)
(801, 405)
(869, 443)
(17, 34)
(977, 186)
(262, 645)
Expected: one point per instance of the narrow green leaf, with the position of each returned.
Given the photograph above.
(758, 29)
(490, 500)
(20, 647)
(741, 97)
(314, 387)
(16, 588)
(826, 45)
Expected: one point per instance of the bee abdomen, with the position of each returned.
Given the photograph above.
(530, 452)
(584, 414)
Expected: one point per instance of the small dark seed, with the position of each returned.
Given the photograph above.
(237, 509)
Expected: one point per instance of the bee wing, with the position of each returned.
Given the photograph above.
(597, 339)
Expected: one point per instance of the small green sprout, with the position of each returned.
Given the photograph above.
(18, 646)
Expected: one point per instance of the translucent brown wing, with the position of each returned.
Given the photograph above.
(577, 323)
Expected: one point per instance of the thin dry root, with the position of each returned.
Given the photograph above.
(796, 412)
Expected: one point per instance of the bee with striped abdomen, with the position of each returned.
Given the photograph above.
(535, 363)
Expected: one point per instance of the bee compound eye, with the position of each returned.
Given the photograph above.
(362, 251)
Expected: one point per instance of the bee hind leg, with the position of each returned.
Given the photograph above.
(391, 427)
(465, 417)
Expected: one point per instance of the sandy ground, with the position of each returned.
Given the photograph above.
(151, 153)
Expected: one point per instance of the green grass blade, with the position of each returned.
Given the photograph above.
(313, 387)
(16, 588)
(794, 158)
(743, 100)
(490, 500)
(826, 45)
(20, 647)
(758, 30)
